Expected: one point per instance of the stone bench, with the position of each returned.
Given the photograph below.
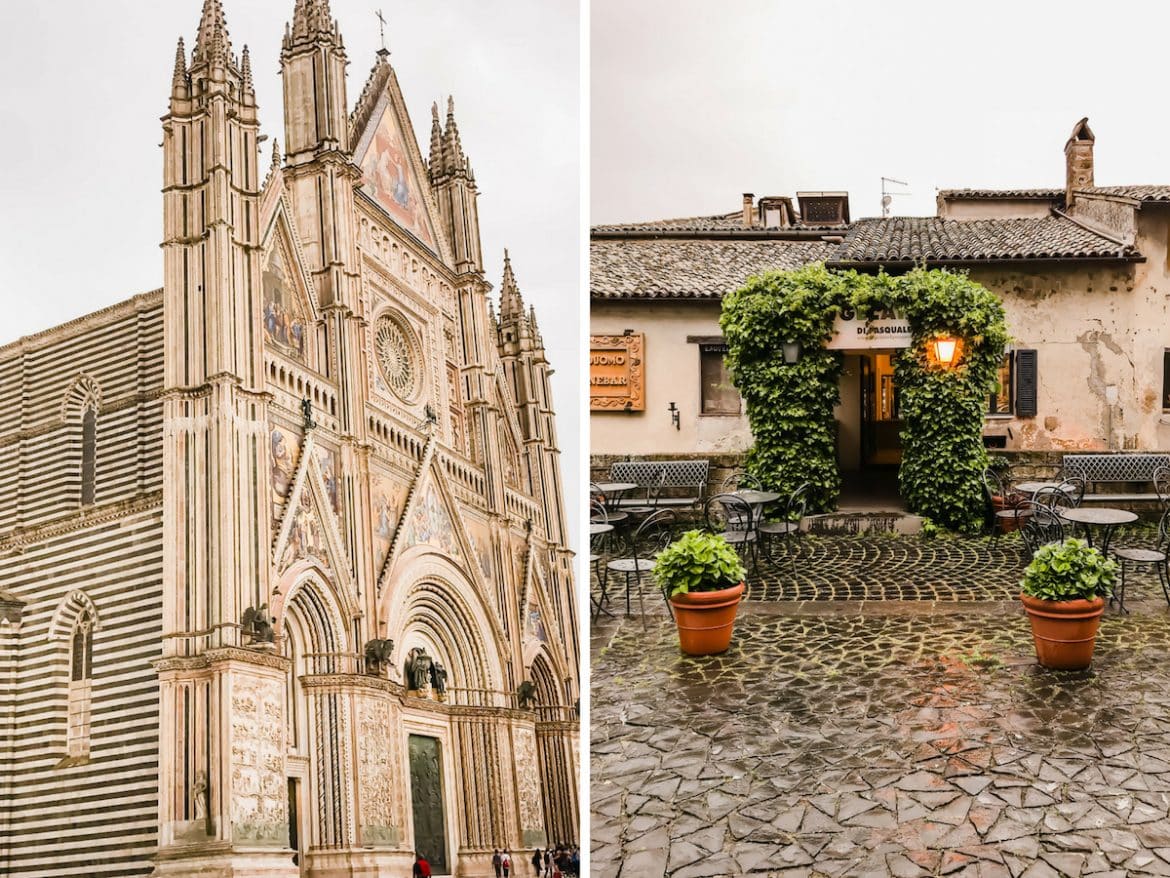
(1121, 470)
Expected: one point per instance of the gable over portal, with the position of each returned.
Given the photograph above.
(391, 167)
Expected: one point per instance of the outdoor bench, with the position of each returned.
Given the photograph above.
(1122, 468)
(685, 485)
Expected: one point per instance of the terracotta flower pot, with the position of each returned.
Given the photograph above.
(1065, 632)
(705, 619)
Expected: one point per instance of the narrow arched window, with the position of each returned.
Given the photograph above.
(88, 455)
(80, 686)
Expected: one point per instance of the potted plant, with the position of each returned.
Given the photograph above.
(1063, 592)
(704, 578)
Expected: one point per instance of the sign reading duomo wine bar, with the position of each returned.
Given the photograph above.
(616, 379)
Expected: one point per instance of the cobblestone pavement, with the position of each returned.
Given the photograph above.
(899, 743)
(891, 568)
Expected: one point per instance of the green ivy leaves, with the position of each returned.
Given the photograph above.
(698, 561)
(790, 407)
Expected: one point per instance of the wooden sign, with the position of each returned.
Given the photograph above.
(617, 381)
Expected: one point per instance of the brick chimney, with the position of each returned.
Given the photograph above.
(749, 212)
(1078, 161)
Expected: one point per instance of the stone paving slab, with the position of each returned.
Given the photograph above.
(858, 744)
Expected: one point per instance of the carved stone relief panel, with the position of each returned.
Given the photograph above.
(527, 782)
(376, 774)
(258, 793)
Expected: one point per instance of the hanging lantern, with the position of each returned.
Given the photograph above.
(945, 349)
(791, 351)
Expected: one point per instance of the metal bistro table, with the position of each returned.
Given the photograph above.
(1104, 517)
(757, 500)
(614, 491)
(1030, 488)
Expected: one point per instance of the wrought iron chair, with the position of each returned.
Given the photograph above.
(1003, 505)
(788, 529)
(732, 517)
(1039, 524)
(615, 516)
(647, 540)
(740, 480)
(653, 492)
(1157, 556)
(598, 544)
(1162, 486)
(1074, 488)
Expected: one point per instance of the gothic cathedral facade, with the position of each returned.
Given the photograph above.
(285, 585)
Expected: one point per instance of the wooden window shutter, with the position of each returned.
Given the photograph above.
(1026, 384)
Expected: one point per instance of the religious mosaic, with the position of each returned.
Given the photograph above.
(306, 538)
(535, 623)
(388, 177)
(386, 498)
(330, 467)
(284, 324)
(257, 762)
(430, 523)
(481, 544)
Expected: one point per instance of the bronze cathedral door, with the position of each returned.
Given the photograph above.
(426, 795)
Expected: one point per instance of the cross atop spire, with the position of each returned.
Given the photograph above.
(212, 41)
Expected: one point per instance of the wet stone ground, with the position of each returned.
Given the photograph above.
(901, 741)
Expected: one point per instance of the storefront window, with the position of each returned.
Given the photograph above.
(719, 396)
(1000, 400)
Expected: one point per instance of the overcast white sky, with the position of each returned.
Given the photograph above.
(83, 84)
(694, 103)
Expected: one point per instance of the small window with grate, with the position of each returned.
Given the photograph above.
(718, 395)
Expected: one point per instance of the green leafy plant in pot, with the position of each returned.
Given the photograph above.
(703, 577)
(1063, 592)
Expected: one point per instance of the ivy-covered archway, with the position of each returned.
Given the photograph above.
(790, 406)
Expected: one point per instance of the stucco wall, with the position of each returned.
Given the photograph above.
(1099, 336)
(672, 375)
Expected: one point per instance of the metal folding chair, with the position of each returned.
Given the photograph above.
(647, 540)
(788, 529)
(1156, 556)
(733, 518)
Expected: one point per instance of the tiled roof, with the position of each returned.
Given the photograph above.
(1137, 193)
(993, 194)
(686, 223)
(935, 240)
(731, 223)
(689, 269)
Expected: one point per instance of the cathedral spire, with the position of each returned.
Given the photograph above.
(436, 161)
(179, 79)
(212, 40)
(312, 19)
(511, 302)
(246, 70)
(453, 150)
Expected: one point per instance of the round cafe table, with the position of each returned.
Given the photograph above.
(596, 529)
(756, 500)
(1031, 488)
(1104, 517)
(614, 491)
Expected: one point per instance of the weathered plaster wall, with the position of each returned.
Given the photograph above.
(672, 375)
(1100, 335)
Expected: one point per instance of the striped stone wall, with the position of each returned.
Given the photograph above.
(95, 816)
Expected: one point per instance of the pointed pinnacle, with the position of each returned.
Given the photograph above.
(275, 153)
(312, 17)
(436, 141)
(454, 148)
(180, 78)
(246, 69)
(212, 39)
(511, 303)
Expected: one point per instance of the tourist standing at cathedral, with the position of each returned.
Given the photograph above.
(497, 863)
(506, 863)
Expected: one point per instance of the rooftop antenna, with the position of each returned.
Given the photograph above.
(888, 197)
